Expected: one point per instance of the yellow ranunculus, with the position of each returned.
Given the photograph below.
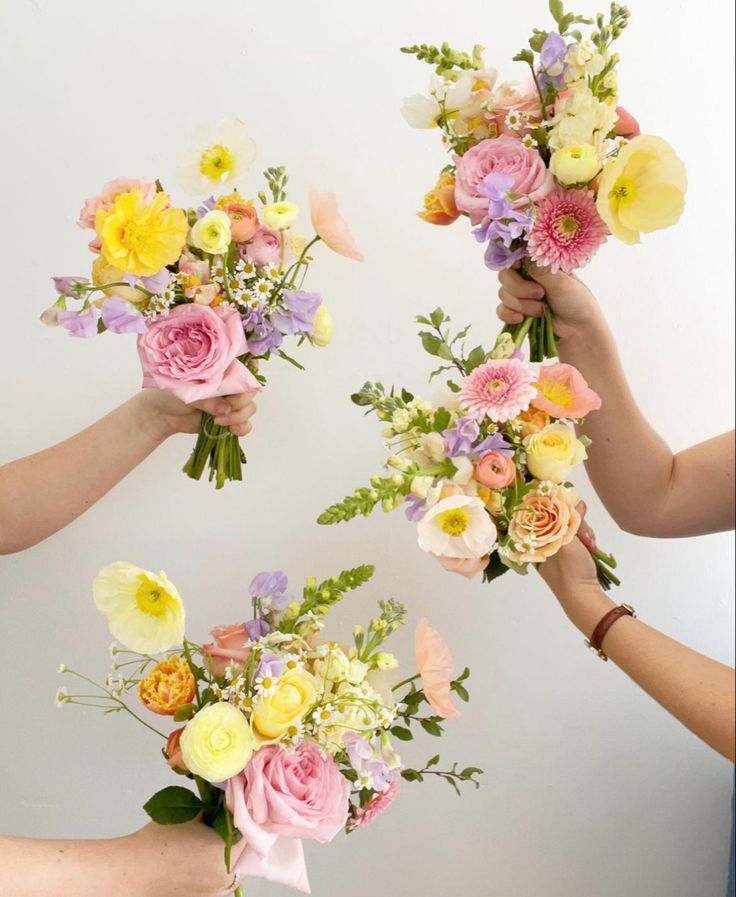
(217, 742)
(212, 233)
(552, 452)
(293, 696)
(323, 327)
(577, 163)
(642, 189)
(138, 238)
(279, 215)
(144, 610)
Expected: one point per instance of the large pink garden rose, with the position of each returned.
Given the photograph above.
(194, 353)
(531, 177)
(280, 798)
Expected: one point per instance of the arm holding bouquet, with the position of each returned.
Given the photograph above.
(646, 488)
(695, 689)
(44, 492)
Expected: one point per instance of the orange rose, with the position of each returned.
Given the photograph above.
(173, 752)
(169, 685)
(545, 520)
(439, 203)
(534, 420)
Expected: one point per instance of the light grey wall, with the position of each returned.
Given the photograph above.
(590, 789)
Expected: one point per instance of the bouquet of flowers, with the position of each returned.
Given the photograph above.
(285, 734)
(484, 474)
(547, 169)
(211, 291)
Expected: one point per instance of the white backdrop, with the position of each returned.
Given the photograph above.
(591, 790)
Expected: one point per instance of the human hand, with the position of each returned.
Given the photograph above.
(165, 415)
(572, 304)
(572, 576)
(180, 861)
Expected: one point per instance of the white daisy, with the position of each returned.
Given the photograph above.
(265, 686)
(528, 141)
(62, 697)
(514, 119)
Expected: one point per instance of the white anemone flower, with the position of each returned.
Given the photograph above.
(457, 527)
(215, 156)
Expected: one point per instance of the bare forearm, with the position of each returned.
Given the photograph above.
(29, 868)
(630, 465)
(695, 689)
(44, 492)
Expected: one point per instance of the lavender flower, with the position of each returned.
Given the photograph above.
(270, 589)
(494, 443)
(415, 508)
(80, 323)
(70, 286)
(297, 314)
(261, 334)
(256, 629)
(498, 257)
(375, 771)
(155, 283)
(495, 186)
(120, 316)
(461, 437)
(206, 206)
(271, 665)
(552, 64)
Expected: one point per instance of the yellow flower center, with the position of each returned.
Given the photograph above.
(292, 731)
(136, 234)
(495, 384)
(291, 664)
(454, 522)
(556, 392)
(220, 739)
(624, 192)
(152, 599)
(217, 162)
(267, 682)
(325, 714)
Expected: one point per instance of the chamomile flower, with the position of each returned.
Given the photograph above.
(247, 268)
(514, 119)
(62, 697)
(261, 289)
(63, 668)
(272, 272)
(265, 686)
(324, 716)
(528, 141)
(294, 734)
(293, 661)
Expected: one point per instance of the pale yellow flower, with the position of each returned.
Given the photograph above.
(553, 452)
(323, 327)
(577, 163)
(292, 698)
(279, 215)
(217, 743)
(212, 233)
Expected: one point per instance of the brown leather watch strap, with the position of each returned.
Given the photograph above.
(595, 642)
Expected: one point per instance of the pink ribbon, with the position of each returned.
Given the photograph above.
(273, 857)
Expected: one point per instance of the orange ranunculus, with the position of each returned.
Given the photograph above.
(173, 752)
(439, 203)
(169, 685)
(533, 420)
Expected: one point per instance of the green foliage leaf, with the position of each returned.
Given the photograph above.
(557, 10)
(524, 56)
(461, 692)
(441, 419)
(184, 712)
(475, 359)
(537, 40)
(437, 317)
(173, 805)
(495, 568)
(431, 727)
(412, 775)
(401, 733)
(434, 761)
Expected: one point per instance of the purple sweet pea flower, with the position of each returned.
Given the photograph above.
(271, 665)
(297, 315)
(462, 435)
(499, 257)
(261, 334)
(69, 286)
(495, 186)
(206, 206)
(120, 316)
(415, 508)
(155, 283)
(493, 443)
(80, 323)
(270, 588)
(512, 226)
(552, 64)
(365, 763)
(256, 629)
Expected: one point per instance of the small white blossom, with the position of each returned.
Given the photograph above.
(514, 119)
(62, 697)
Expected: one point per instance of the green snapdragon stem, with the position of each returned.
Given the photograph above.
(217, 446)
(605, 565)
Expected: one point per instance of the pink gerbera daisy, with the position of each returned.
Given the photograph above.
(500, 389)
(567, 231)
(375, 806)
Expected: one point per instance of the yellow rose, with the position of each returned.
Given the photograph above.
(217, 742)
(279, 215)
(552, 452)
(293, 697)
(211, 233)
(323, 327)
(642, 189)
(578, 163)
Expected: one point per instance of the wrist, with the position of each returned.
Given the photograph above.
(585, 605)
(148, 418)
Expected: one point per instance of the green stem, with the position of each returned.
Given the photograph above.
(406, 682)
(521, 331)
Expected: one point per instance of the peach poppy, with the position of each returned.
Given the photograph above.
(434, 663)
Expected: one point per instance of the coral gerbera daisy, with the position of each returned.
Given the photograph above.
(567, 231)
(499, 389)
(375, 806)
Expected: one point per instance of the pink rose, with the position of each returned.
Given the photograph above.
(467, 567)
(280, 798)
(227, 650)
(193, 352)
(495, 471)
(265, 247)
(105, 199)
(508, 98)
(626, 125)
(531, 177)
